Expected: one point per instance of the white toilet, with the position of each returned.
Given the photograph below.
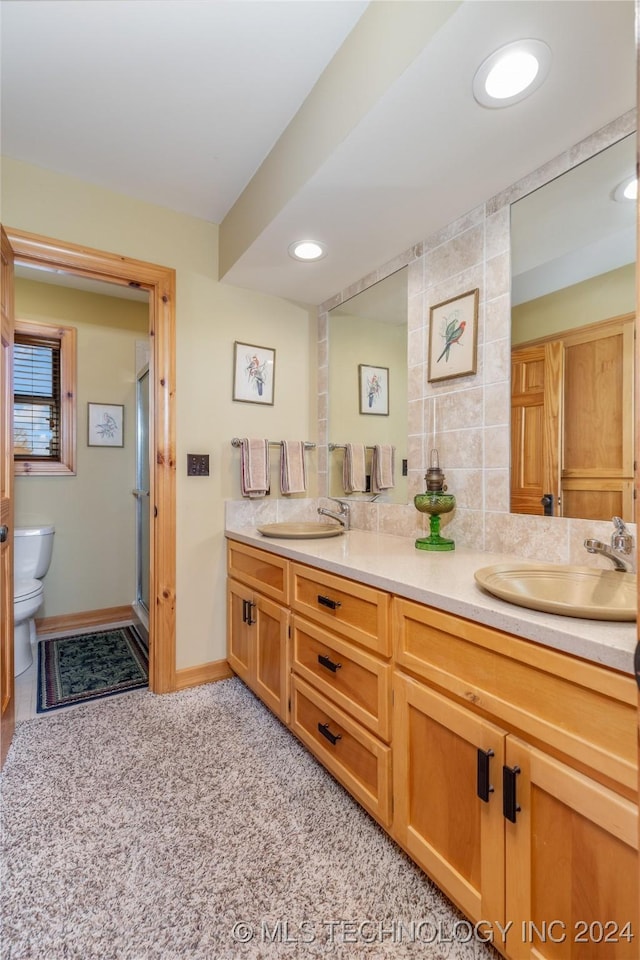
(32, 549)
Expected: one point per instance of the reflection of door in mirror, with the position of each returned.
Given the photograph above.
(573, 244)
(369, 329)
(572, 423)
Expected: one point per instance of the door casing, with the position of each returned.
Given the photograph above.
(159, 282)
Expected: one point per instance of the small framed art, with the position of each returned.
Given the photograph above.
(253, 373)
(373, 384)
(453, 337)
(105, 425)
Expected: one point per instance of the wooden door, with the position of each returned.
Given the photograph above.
(571, 864)
(439, 817)
(597, 456)
(7, 706)
(536, 417)
(269, 632)
(240, 652)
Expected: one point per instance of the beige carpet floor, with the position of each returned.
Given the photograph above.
(194, 826)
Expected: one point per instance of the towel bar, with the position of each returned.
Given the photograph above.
(342, 446)
(236, 441)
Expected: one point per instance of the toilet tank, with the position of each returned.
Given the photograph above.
(32, 549)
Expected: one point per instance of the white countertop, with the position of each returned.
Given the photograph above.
(445, 581)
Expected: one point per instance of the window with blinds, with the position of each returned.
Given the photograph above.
(36, 390)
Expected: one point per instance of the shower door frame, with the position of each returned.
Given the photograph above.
(142, 488)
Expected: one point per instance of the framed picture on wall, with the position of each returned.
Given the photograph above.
(373, 384)
(453, 337)
(105, 425)
(253, 373)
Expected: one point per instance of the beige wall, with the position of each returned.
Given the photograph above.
(355, 340)
(93, 564)
(210, 316)
(611, 294)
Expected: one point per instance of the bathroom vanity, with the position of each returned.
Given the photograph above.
(496, 745)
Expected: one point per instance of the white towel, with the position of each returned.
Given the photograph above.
(382, 467)
(354, 471)
(254, 468)
(293, 472)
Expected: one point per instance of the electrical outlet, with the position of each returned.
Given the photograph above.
(197, 464)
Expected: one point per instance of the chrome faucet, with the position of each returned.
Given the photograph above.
(342, 515)
(621, 543)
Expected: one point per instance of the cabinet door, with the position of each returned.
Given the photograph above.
(440, 751)
(269, 633)
(240, 654)
(571, 864)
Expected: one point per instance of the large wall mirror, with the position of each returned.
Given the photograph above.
(367, 332)
(573, 245)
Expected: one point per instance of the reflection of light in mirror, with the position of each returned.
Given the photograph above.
(627, 190)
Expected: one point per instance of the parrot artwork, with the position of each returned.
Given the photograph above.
(452, 334)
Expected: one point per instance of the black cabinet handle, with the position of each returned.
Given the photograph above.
(328, 602)
(509, 803)
(484, 788)
(333, 738)
(245, 612)
(250, 606)
(329, 664)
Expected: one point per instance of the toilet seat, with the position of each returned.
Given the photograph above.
(27, 589)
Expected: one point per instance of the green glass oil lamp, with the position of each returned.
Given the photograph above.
(434, 502)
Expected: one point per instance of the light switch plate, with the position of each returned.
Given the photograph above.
(197, 464)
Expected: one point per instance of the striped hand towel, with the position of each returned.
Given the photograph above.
(254, 468)
(354, 470)
(382, 467)
(293, 471)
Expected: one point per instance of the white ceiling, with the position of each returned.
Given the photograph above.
(178, 102)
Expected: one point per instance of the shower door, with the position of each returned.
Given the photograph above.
(142, 488)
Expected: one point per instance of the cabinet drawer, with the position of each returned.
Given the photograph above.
(576, 708)
(358, 612)
(355, 757)
(357, 681)
(264, 571)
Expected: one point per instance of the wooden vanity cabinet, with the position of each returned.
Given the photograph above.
(505, 769)
(515, 785)
(258, 626)
(341, 685)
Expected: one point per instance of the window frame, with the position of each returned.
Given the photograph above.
(66, 465)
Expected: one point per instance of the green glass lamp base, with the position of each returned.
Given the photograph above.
(435, 543)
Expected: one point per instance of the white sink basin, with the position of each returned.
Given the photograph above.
(305, 530)
(570, 591)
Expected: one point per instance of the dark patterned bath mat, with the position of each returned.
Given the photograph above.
(88, 666)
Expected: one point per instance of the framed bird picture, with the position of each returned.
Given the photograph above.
(453, 337)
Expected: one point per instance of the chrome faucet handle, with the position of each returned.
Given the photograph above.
(621, 539)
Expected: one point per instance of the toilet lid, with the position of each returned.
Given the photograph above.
(25, 589)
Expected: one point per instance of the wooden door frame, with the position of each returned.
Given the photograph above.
(159, 282)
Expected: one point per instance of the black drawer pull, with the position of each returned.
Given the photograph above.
(328, 602)
(333, 738)
(329, 664)
(484, 788)
(245, 611)
(509, 803)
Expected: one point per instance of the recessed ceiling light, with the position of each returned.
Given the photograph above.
(512, 73)
(627, 190)
(307, 250)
